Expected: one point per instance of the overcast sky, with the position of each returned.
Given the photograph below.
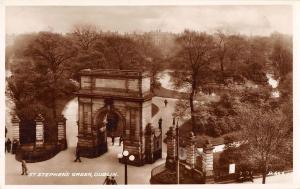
(260, 20)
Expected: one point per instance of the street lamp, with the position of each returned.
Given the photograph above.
(177, 149)
(124, 155)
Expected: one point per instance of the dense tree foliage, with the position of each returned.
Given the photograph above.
(43, 66)
(192, 64)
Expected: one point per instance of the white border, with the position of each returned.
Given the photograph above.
(296, 78)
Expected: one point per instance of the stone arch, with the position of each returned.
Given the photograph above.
(99, 117)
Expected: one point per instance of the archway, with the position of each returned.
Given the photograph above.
(27, 132)
(110, 123)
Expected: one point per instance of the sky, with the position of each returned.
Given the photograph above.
(249, 19)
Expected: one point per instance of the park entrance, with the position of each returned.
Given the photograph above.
(114, 103)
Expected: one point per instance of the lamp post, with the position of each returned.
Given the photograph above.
(124, 155)
(177, 149)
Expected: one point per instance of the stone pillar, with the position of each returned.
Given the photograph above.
(149, 146)
(191, 159)
(39, 135)
(207, 163)
(171, 149)
(15, 128)
(61, 132)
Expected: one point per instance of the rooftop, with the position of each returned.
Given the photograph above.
(115, 72)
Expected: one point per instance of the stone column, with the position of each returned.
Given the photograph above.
(15, 128)
(39, 135)
(149, 148)
(61, 132)
(171, 148)
(207, 164)
(191, 159)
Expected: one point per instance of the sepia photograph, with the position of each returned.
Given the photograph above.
(126, 95)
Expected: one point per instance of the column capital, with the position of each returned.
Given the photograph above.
(39, 118)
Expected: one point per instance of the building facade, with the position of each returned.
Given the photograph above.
(113, 103)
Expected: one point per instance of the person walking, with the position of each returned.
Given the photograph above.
(24, 168)
(8, 145)
(120, 140)
(113, 181)
(77, 155)
(14, 146)
(160, 123)
(107, 180)
(113, 139)
(5, 146)
(251, 176)
(166, 102)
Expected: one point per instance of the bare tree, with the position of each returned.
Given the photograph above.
(192, 63)
(85, 35)
(222, 48)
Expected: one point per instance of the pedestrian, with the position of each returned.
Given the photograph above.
(107, 180)
(77, 155)
(241, 177)
(113, 181)
(121, 140)
(251, 176)
(160, 123)
(14, 146)
(5, 146)
(8, 145)
(166, 102)
(113, 139)
(24, 167)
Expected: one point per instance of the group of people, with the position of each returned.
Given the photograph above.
(245, 176)
(110, 181)
(113, 140)
(11, 146)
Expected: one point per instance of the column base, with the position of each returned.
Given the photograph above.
(92, 151)
(62, 144)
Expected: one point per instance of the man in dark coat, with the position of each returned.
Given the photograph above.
(8, 145)
(166, 102)
(160, 123)
(77, 155)
(14, 146)
(107, 180)
(5, 146)
(113, 139)
(113, 181)
(121, 140)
